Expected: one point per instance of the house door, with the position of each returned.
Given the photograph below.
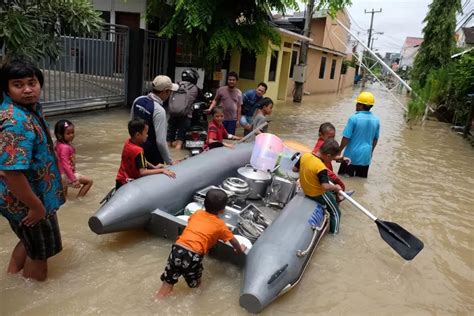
(132, 20)
(284, 75)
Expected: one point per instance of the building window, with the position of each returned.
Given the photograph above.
(322, 69)
(248, 62)
(273, 66)
(294, 60)
(333, 69)
(105, 15)
(184, 52)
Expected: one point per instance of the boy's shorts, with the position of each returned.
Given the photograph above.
(182, 261)
(42, 240)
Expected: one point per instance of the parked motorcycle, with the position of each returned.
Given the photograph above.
(196, 134)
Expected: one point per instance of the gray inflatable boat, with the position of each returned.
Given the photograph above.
(277, 259)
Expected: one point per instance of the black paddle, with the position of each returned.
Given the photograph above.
(402, 241)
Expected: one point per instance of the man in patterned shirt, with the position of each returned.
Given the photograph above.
(30, 182)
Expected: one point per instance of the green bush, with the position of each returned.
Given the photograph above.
(448, 86)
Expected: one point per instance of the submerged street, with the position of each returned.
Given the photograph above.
(421, 178)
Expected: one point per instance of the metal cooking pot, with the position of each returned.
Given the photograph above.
(238, 186)
(258, 181)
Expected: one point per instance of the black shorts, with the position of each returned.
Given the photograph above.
(182, 261)
(42, 240)
(353, 170)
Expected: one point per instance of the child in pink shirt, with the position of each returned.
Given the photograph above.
(66, 153)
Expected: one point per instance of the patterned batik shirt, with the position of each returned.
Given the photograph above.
(26, 145)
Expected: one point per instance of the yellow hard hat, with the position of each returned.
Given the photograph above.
(366, 98)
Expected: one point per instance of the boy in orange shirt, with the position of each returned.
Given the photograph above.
(203, 231)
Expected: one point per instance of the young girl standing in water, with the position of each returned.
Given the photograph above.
(66, 153)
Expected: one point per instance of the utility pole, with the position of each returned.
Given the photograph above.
(372, 43)
(364, 77)
(304, 49)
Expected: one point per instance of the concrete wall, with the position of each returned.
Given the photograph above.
(135, 6)
(276, 89)
(313, 84)
(347, 80)
(324, 31)
(408, 56)
(334, 33)
(318, 31)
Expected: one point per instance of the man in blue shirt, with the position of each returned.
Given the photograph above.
(360, 137)
(30, 182)
(250, 100)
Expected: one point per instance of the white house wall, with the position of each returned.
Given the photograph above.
(133, 6)
(408, 56)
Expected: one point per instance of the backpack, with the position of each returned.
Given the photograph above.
(180, 101)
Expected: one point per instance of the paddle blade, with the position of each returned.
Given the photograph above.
(403, 242)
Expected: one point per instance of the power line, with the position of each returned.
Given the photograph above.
(355, 22)
(466, 4)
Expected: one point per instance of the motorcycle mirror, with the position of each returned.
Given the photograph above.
(208, 95)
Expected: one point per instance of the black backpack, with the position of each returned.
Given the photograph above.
(180, 101)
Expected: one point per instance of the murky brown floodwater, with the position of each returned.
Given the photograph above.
(422, 179)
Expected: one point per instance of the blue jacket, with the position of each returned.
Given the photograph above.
(250, 102)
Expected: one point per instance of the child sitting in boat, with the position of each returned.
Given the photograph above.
(265, 108)
(66, 153)
(328, 131)
(134, 164)
(203, 231)
(216, 131)
(314, 180)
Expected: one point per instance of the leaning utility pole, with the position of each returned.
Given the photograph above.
(304, 50)
(372, 44)
(364, 77)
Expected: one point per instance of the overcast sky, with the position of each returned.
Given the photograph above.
(398, 19)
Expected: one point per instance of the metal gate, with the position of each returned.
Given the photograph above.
(90, 73)
(155, 58)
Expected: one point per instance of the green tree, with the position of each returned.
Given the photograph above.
(439, 43)
(30, 29)
(216, 26)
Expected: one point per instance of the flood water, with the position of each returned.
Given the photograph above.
(420, 178)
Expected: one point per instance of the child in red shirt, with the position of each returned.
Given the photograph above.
(203, 231)
(134, 164)
(216, 131)
(328, 131)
